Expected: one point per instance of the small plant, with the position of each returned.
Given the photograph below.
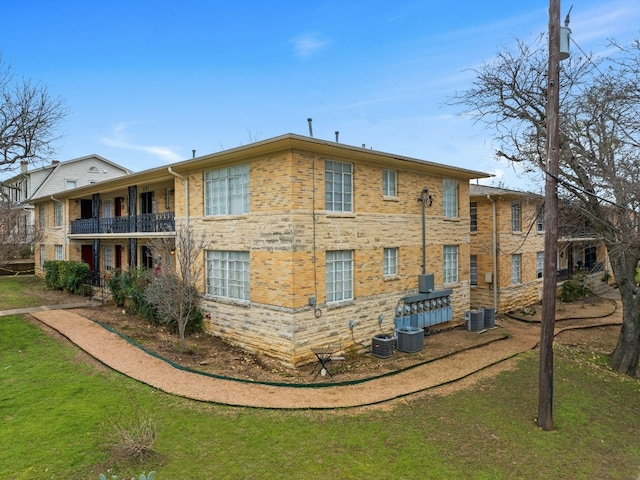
(134, 438)
(573, 290)
(149, 476)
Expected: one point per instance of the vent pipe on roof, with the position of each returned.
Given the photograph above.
(337, 133)
(309, 121)
(193, 154)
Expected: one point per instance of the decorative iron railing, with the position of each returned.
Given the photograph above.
(146, 222)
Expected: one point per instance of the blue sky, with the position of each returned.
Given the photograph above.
(147, 82)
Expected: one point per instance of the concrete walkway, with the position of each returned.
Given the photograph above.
(122, 356)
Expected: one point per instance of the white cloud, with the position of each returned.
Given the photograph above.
(308, 44)
(118, 140)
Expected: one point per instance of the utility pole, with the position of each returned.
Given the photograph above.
(545, 374)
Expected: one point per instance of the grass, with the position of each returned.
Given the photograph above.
(56, 410)
(14, 291)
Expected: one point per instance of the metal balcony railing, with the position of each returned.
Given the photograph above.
(147, 222)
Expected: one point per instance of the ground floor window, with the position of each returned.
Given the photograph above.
(474, 271)
(59, 252)
(539, 264)
(107, 257)
(390, 261)
(516, 269)
(227, 274)
(339, 275)
(450, 264)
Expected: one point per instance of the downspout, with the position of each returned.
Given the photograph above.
(495, 255)
(186, 195)
(424, 198)
(65, 240)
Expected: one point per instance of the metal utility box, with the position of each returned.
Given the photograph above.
(425, 283)
(410, 339)
(489, 317)
(475, 320)
(382, 345)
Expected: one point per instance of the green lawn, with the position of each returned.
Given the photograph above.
(56, 410)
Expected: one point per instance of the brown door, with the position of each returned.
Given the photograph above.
(87, 255)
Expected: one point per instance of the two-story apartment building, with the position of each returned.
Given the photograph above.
(307, 241)
(507, 247)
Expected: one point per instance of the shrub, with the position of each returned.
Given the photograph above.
(133, 439)
(68, 276)
(573, 290)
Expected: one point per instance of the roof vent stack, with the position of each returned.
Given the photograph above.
(309, 121)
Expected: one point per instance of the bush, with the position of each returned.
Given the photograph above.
(573, 290)
(133, 439)
(68, 276)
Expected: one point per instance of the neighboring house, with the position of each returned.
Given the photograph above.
(308, 242)
(507, 248)
(54, 178)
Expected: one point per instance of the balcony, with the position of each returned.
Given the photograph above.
(146, 222)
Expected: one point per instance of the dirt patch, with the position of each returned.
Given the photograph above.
(210, 354)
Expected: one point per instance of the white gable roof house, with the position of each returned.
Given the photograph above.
(56, 177)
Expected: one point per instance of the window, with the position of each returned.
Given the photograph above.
(473, 277)
(450, 264)
(516, 273)
(539, 264)
(228, 274)
(390, 261)
(226, 191)
(59, 252)
(43, 256)
(41, 215)
(107, 257)
(450, 198)
(473, 216)
(69, 184)
(389, 184)
(107, 208)
(339, 275)
(540, 220)
(516, 217)
(338, 186)
(58, 214)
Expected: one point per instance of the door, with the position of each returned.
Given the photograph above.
(87, 255)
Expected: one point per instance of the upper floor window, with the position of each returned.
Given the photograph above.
(389, 184)
(390, 261)
(69, 184)
(516, 217)
(57, 216)
(338, 186)
(339, 275)
(41, 216)
(516, 269)
(450, 264)
(227, 274)
(107, 208)
(473, 216)
(450, 198)
(226, 191)
(540, 220)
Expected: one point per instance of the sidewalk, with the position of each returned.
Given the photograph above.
(122, 356)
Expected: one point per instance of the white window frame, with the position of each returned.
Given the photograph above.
(338, 186)
(516, 216)
(339, 275)
(516, 269)
(450, 264)
(226, 191)
(539, 264)
(450, 198)
(389, 183)
(107, 257)
(43, 255)
(390, 262)
(540, 221)
(70, 184)
(59, 252)
(107, 208)
(57, 215)
(227, 274)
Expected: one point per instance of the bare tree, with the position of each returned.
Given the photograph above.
(599, 142)
(29, 117)
(172, 292)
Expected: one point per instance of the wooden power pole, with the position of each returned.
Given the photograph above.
(545, 386)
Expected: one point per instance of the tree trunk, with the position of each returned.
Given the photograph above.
(626, 356)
